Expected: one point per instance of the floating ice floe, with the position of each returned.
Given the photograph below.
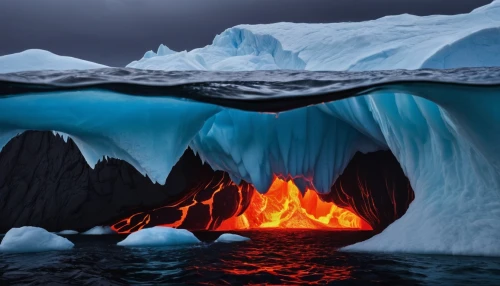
(35, 59)
(229, 237)
(159, 236)
(68, 232)
(99, 230)
(33, 239)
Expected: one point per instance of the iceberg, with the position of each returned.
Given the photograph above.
(32, 239)
(392, 42)
(229, 237)
(34, 59)
(159, 236)
(446, 138)
(99, 230)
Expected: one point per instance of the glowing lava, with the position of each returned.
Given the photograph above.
(283, 206)
(222, 205)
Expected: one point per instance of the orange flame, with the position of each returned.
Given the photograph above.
(283, 206)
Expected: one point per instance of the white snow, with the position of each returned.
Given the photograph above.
(446, 140)
(31, 60)
(159, 236)
(229, 237)
(99, 230)
(32, 239)
(68, 232)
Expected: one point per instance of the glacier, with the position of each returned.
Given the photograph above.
(447, 140)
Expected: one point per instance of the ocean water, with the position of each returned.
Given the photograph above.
(278, 257)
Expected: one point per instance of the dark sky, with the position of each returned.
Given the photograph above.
(115, 32)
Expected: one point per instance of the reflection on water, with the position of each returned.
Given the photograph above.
(273, 257)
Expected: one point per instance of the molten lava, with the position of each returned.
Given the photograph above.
(283, 206)
(222, 205)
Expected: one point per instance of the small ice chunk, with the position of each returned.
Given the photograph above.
(229, 237)
(159, 236)
(33, 239)
(68, 232)
(99, 230)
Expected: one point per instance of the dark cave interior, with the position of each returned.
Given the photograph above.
(46, 182)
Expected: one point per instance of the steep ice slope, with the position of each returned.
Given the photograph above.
(393, 42)
(450, 154)
(42, 60)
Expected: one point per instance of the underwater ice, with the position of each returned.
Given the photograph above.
(447, 140)
(229, 237)
(159, 236)
(33, 239)
(99, 230)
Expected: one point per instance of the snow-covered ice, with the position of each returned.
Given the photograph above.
(33, 239)
(230, 237)
(99, 230)
(392, 42)
(34, 59)
(159, 236)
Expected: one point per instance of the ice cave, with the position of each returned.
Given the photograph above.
(352, 127)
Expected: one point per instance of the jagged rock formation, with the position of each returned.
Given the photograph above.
(375, 187)
(46, 182)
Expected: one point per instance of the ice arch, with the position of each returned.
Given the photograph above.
(445, 140)
(448, 150)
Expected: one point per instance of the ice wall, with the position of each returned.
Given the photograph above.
(449, 153)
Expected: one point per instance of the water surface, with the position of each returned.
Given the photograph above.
(273, 257)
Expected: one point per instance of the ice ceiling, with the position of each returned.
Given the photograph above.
(447, 139)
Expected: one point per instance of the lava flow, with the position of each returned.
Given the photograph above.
(283, 206)
(222, 205)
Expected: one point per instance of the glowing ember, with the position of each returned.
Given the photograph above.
(283, 206)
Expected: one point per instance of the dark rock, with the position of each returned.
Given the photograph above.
(46, 182)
